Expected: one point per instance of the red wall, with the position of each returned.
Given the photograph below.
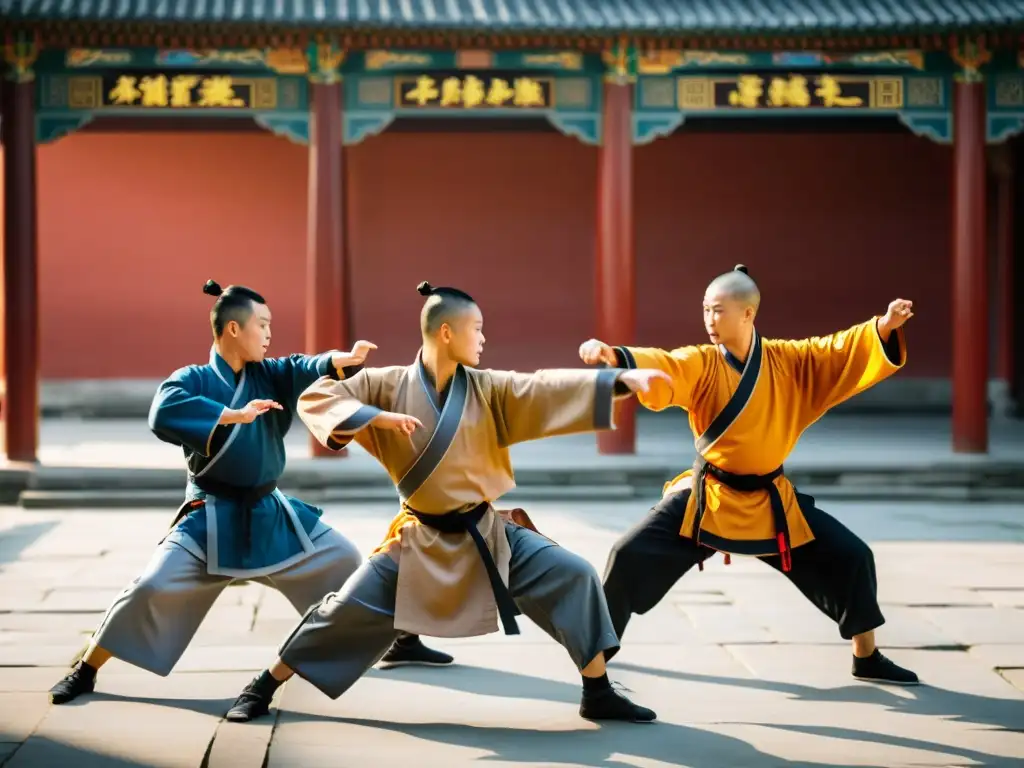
(132, 225)
(832, 227)
(508, 218)
(1, 268)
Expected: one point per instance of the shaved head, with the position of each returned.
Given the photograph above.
(452, 320)
(730, 306)
(443, 305)
(736, 285)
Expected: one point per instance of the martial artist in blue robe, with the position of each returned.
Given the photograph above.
(230, 421)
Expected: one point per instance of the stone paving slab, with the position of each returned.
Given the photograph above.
(742, 670)
(132, 720)
(1015, 677)
(23, 655)
(16, 598)
(73, 623)
(975, 626)
(1002, 598)
(1000, 656)
(240, 745)
(29, 679)
(75, 600)
(227, 658)
(22, 713)
(15, 637)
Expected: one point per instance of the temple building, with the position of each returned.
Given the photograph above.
(582, 169)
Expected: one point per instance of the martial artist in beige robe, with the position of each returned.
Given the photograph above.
(451, 565)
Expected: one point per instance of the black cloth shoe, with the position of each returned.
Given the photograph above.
(409, 649)
(609, 704)
(876, 668)
(252, 703)
(78, 681)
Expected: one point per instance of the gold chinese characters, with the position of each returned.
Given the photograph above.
(215, 91)
(471, 91)
(793, 91)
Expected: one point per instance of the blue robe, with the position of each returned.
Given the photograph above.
(185, 412)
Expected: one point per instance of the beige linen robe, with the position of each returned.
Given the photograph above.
(443, 589)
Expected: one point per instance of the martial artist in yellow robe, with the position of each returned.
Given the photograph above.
(749, 399)
(451, 565)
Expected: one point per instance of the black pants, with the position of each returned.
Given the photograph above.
(836, 571)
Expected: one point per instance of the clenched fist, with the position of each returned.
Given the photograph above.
(398, 422)
(593, 352)
(895, 317)
(641, 379)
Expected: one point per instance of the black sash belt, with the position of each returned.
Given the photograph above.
(245, 498)
(466, 522)
(744, 484)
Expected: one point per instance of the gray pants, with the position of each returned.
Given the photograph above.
(348, 632)
(152, 621)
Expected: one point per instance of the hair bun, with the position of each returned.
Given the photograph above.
(212, 289)
(741, 268)
(425, 288)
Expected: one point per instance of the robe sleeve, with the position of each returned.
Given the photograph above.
(181, 416)
(530, 406)
(831, 369)
(684, 365)
(292, 374)
(335, 411)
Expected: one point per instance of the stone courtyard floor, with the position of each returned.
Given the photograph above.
(741, 670)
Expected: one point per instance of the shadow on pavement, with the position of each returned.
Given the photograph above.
(43, 752)
(608, 745)
(611, 744)
(485, 682)
(926, 700)
(869, 737)
(213, 707)
(15, 540)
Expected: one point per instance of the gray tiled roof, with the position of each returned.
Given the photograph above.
(607, 16)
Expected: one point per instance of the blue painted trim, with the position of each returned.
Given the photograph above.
(650, 126)
(361, 125)
(50, 128)
(1002, 127)
(938, 127)
(585, 126)
(294, 127)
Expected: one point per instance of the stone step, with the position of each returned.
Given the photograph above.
(310, 474)
(126, 499)
(120, 498)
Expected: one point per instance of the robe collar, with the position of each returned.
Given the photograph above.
(223, 370)
(429, 387)
(734, 362)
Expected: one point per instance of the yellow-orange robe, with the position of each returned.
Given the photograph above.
(791, 385)
(459, 460)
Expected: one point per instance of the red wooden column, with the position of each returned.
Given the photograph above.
(326, 289)
(615, 269)
(1002, 167)
(970, 261)
(1015, 291)
(21, 283)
